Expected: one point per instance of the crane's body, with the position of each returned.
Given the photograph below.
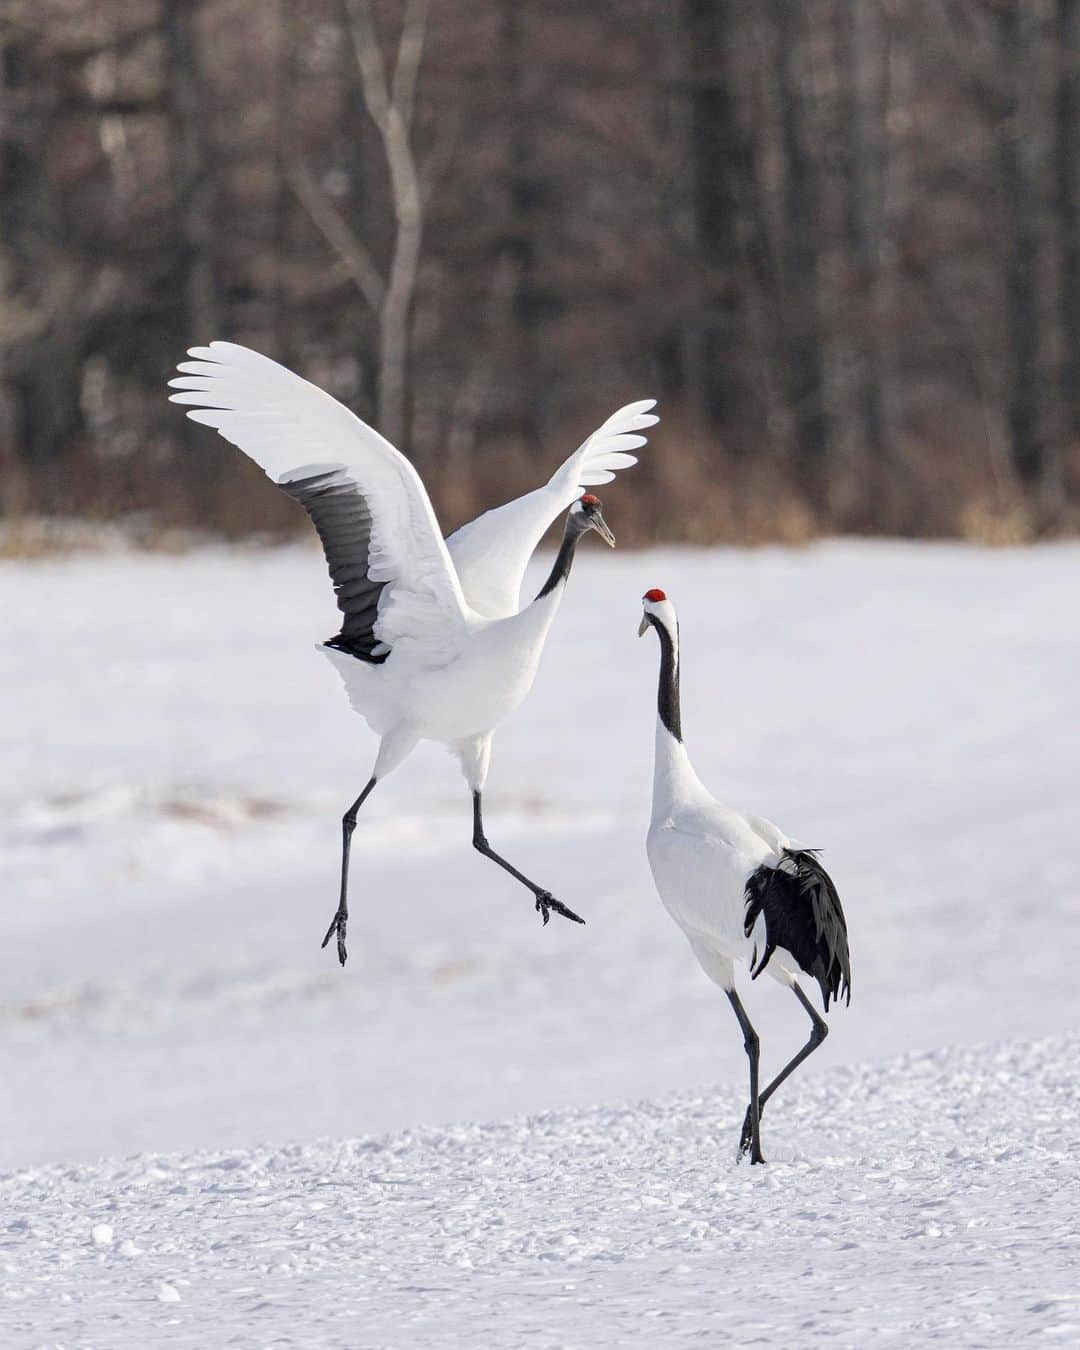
(701, 854)
(433, 645)
(450, 699)
(741, 890)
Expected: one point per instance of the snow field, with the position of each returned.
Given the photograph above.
(172, 776)
(932, 1200)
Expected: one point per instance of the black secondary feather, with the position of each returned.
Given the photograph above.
(803, 915)
(342, 517)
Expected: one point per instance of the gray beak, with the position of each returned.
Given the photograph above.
(643, 626)
(599, 524)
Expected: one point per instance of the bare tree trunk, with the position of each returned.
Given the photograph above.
(860, 115)
(283, 99)
(361, 201)
(189, 117)
(1020, 204)
(1067, 173)
(391, 104)
(391, 390)
(41, 328)
(726, 227)
(516, 256)
(805, 359)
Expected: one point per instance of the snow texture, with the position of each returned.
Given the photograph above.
(930, 1201)
(174, 761)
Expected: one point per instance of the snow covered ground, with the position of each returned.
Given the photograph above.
(930, 1201)
(174, 761)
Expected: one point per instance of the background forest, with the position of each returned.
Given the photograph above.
(838, 240)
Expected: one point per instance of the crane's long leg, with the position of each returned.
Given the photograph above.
(818, 1032)
(545, 901)
(752, 1046)
(341, 918)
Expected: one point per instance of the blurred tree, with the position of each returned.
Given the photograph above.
(1067, 170)
(1020, 197)
(838, 240)
(861, 120)
(799, 246)
(389, 96)
(729, 229)
(190, 114)
(42, 351)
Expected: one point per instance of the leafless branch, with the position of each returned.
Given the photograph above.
(392, 117)
(334, 228)
(410, 51)
(369, 60)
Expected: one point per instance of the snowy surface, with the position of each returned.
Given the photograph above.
(933, 1200)
(174, 761)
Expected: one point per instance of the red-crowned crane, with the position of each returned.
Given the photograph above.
(736, 885)
(432, 646)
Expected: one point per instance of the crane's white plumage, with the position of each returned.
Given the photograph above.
(492, 551)
(740, 889)
(293, 430)
(419, 659)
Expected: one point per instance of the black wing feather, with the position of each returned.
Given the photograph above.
(803, 914)
(343, 519)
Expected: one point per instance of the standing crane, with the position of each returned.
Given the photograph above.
(737, 886)
(421, 656)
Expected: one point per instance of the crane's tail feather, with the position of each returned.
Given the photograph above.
(803, 915)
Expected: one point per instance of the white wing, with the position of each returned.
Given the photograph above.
(771, 835)
(492, 552)
(391, 570)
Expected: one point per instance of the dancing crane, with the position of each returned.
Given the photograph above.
(418, 659)
(736, 885)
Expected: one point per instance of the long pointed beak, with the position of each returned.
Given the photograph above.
(643, 626)
(599, 524)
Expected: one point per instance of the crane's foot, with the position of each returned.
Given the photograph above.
(338, 926)
(746, 1141)
(546, 902)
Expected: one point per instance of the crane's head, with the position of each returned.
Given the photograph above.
(586, 513)
(658, 611)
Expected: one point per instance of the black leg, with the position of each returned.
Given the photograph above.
(341, 918)
(545, 901)
(752, 1046)
(818, 1032)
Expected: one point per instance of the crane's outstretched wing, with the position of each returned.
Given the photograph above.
(492, 552)
(394, 579)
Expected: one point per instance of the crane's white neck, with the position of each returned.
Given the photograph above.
(674, 779)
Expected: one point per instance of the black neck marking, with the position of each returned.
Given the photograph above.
(667, 694)
(575, 528)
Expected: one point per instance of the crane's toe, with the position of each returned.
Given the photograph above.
(545, 902)
(747, 1135)
(338, 926)
(746, 1140)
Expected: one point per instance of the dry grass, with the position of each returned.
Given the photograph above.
(686, 489)
(31, 537)
(34, 537)
(997, 526)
